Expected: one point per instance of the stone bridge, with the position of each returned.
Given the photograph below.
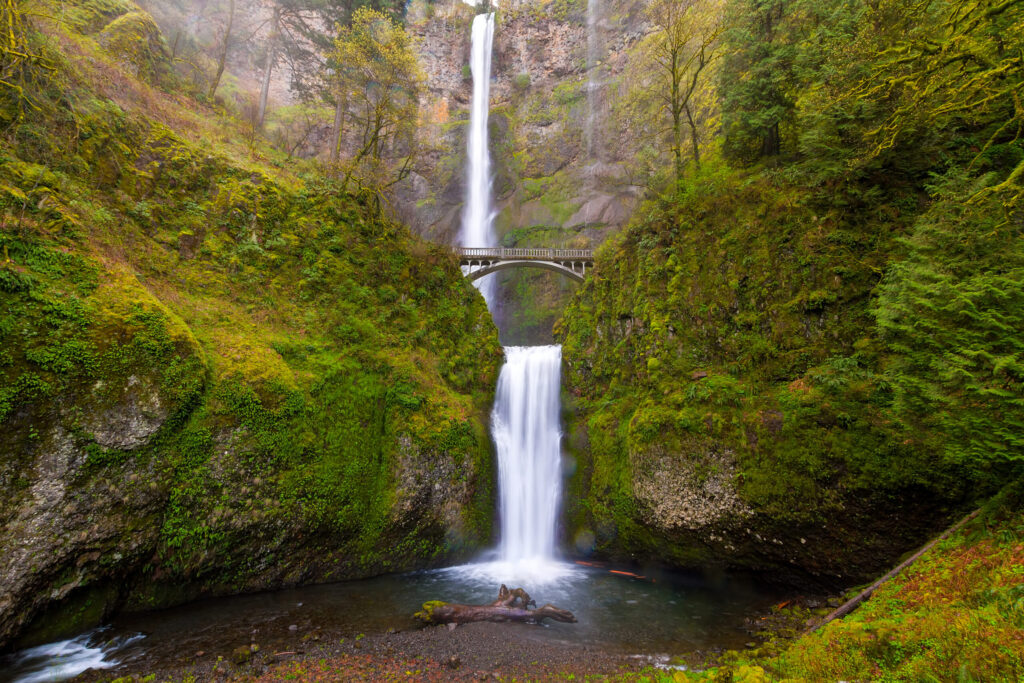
(480, 261)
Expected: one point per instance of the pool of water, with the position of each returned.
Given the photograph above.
(619, 610)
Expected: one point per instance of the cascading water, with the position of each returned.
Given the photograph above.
(527, 434)
(525, 420)
(594, 51)
(477, 217)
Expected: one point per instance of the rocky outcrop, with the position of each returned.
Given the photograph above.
(138, 411)
(109, 502)
(85, 511)
(690, 490)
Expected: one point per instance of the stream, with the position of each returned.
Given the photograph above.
(661, 613)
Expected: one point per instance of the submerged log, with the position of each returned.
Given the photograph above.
(511, 605)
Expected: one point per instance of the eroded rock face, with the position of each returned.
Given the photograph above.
(434, 486)
(74, 524)
(555, 77)
(95, 518)
(132, 420)
(691, 491)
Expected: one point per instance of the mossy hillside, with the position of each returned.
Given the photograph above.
(955, 614)
(725, 344)
(322, 375)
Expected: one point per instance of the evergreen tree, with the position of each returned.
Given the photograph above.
(757, 79)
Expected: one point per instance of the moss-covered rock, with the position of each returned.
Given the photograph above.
(135, 41)
(218, 377)
(726, 391)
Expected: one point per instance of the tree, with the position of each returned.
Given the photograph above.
(378, 77)
(757, 79)
(952, 312)
(676, 55)
(22, 63)
(960, 64)
(301, 34)
(225, 44)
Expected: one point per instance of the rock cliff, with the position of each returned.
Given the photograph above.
(215, 376)
(565, 171)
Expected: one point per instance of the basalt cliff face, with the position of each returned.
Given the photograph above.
(566, 172)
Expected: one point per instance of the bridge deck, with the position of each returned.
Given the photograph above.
(524, 254)
(480, 261)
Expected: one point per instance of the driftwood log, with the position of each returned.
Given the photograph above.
(511, 605)
(852, 603)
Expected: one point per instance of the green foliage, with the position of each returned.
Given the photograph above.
(377, 76)
(953, 315)
(845, 324)
(311, 355)
(756, 79)
(955, 614)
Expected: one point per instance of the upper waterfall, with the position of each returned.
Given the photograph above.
(477, 216)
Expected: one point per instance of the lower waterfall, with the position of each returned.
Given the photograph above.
(527, 435)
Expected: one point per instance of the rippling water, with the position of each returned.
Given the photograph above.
(649, 613)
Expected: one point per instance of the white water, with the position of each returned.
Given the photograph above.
(477, 217)
(64, 659)
(527, 436)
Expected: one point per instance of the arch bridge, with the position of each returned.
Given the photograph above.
(481, 261)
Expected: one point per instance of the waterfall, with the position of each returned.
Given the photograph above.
(477, 217)
(594, 50)
(527, 434)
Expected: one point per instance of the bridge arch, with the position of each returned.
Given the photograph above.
(479, 262)
(504, 265)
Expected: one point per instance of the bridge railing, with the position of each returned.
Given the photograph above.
(524, 253)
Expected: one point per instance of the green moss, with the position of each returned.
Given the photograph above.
(735, 315)
(135, 41)
(89, 16)
(300, 343)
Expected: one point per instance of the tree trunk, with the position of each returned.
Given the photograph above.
(268, 70)
(693, 136)
(223, 52)
(505, 608)
(675, 72)
(770, 143)
(852, 604)
(339, 121)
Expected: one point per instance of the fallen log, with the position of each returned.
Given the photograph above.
(853, 602)
(511, 605)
